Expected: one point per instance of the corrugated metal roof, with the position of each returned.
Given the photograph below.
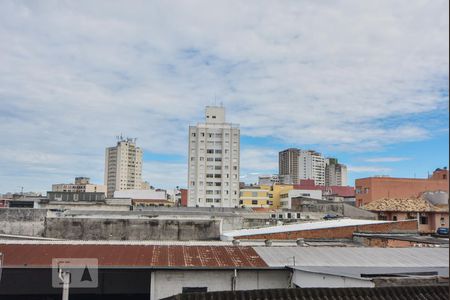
(136, 256)
(356, 272)
(299, 227)
(384, 293)
(354, 257)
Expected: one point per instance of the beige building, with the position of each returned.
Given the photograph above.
(213, 178)
(81, 185)
(311, 165)
(123, 166)
(288, 165)
(335, 173)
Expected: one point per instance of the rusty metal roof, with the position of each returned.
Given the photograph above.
(135, 256)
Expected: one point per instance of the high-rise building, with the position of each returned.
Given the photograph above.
(311, 165)
(335, 173)
(296, 164)
(213, 178)
(288, 165)
(123, 166)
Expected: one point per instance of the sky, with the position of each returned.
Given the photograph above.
(364, 81)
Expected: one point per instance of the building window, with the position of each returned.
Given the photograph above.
(240, 201)
(442, 221)
(394, 218)
(193, 134)
(423, 220)
(210, 151)
(254, 194)
(254, 202)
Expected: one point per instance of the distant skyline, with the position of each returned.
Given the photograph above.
(363, 81)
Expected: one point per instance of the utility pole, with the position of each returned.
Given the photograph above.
(65, 278)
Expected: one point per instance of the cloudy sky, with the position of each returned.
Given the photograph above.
(364, 81)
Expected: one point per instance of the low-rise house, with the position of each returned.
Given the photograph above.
(429, 216)
(255, 196)
(146, 197)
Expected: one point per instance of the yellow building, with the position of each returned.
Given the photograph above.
(275, 193)
(254, 196)
(263, 196)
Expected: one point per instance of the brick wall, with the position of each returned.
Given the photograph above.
(374, 188)
(338, 232)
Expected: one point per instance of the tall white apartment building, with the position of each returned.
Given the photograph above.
(214, 150)
(311, 165)
(335, 173)
(123, 166)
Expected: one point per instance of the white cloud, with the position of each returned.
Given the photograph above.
(369, 169)
(386, 159)
(171, 174)
(348, 75)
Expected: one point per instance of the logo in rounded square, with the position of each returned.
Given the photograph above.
(82, 272)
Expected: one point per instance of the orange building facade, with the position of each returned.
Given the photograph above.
(373, 188)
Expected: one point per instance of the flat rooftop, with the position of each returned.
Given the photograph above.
(229, 235)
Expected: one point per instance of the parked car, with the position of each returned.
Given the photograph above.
(442, 231)
(330, 217)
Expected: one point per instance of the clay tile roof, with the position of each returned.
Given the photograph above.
(403, 204)
(379, 293)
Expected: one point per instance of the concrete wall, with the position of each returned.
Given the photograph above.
(131, 229)
(384, 242)
(22, 221)
(85, 206)
(306, 205)
(169, 283)
(119, 223)
(318, 280)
